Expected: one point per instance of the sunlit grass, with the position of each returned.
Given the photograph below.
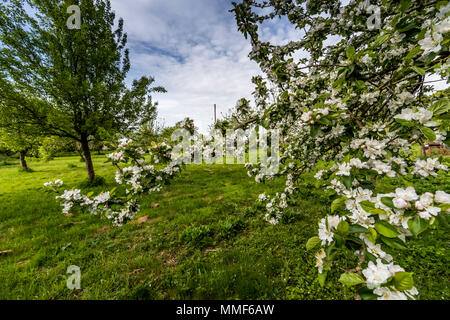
(200, 239)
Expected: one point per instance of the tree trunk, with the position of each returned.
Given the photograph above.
(23, 162)
(87, 158)
(79, 151)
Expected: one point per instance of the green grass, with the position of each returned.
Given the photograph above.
(204, 240)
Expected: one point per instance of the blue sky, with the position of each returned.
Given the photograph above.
(193, 49)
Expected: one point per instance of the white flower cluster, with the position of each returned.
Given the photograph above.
(70, 197)
(434, 35)
(117, 156)
(425, 168)
(422, 115)
(378, 274)
(327, 226)
(54, 185)
(139, 178)
(124, 142)
(372, 148)
(127, 213)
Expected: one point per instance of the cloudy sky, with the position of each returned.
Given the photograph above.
(193, 49)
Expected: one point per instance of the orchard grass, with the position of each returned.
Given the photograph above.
(203, 238)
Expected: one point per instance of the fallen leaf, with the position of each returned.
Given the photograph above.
(22, 262)
(5, 251)
(220, 197)
(103, 229)
(135, 271)
(142, 220)
(155, 205)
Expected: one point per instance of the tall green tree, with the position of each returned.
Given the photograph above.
(70, 82)
(19, 142)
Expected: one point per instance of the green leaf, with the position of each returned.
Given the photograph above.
(405, 123)
(367, 294)
(339, 82)
(417, 225)
(314, 131)
(440, 107)
(354, 239)
(343, 227)
(413, 53)
(370, 208)
(387, 201)
(404, 5)
(371, 257)
(312, 243)
(322, 277)
(337, 203)
(395, 243)
(324, 121)
(350, 279)
(403, 281)
(350, 52)
(430, 58)
(339, 240)
(356, 228)
(372, 235)
(113, 191)
(380, 40)
(386, 229)
(347, 181)
(428, 133)
(418, 70)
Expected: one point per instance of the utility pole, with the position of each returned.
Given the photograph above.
(215, 117)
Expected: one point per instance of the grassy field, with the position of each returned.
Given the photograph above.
(199, 238)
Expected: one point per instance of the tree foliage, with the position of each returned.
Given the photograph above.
(69, 82)
(352, 93)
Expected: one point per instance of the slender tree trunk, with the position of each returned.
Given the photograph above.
(80, 153)
(23, 162)
(87, 158)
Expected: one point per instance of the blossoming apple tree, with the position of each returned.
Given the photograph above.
(356, 97)
(139, 171)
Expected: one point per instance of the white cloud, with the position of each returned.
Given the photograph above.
(194, 50)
